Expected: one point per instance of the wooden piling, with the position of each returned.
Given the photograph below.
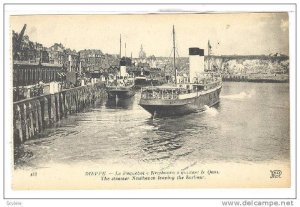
(39, 112)
(52, 109)
(76, 100)
(46, 120)
(18, 125)
(67, 103)
(57, 104)
(31, 120)
(32, 116)
(62, 105)
(35, 117)
(72, 102)
(25, 121)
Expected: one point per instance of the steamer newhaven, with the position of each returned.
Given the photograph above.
(202, 90)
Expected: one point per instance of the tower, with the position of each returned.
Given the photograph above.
(142, 54)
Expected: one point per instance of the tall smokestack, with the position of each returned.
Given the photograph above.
(123, 68)
(196, 59)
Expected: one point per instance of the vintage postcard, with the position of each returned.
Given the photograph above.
(150, 101)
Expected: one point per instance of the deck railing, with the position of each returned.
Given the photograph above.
(175, 93)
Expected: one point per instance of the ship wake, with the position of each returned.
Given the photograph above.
(211, 110)
(240, 96)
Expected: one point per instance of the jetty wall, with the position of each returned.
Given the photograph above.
(32, 116)
(248, 64)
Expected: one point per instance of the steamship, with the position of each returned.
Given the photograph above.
(202, 90)
(122, 86)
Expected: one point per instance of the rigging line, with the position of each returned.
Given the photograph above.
(170, 57)
(170, 54)
(171, 34)
(178, 63)
(177, 45)
(177, 53)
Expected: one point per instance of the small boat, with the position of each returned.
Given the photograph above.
(202, 90)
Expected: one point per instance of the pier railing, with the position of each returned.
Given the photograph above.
(31, 116)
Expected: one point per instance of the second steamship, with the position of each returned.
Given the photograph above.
(122, 86)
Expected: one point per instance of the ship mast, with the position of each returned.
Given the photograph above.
(208, 55)
(125, 50)
(174, 52)
(120, 47)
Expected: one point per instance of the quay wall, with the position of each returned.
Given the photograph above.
(278, 78)
(32, 116)
(235, 78)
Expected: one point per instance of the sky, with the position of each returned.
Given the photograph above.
(229, 34)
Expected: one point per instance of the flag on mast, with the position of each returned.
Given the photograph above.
(209, 48)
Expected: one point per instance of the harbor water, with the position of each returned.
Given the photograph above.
(250, 124)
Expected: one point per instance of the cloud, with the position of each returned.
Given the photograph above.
(238, 33)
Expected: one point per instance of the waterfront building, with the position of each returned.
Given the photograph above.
(56, 54)
(71, 60)
(90, 59)
(25, 73)
(95, 60)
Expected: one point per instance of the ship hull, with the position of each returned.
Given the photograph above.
(120, 93)
(162, 108)
(120, 103)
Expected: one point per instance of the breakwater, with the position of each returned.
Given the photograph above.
(279, 78)
(235, 78)
(236, 65)
(32, 116)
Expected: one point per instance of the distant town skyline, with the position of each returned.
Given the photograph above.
(229, 34)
